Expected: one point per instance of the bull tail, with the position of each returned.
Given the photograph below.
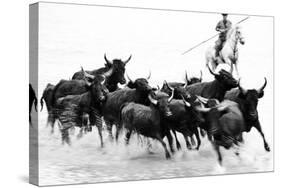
(35, 103)
(53, 98)
(41, 103)
(120, 112)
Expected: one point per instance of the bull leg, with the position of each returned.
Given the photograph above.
(217, 149)
(99, 126)
(177, 141)
(188, 145)
(51, 121)
(109, 130)
(158, 137)
(202, 132)
(170, 140)
(196, 132)
(128, 136)
(118, 129)
(80, 135)
(240, 138)
(192, 140)
(65, 136)
(258, 127)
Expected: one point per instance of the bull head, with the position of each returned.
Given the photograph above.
(147, 78)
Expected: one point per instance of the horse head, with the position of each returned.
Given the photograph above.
(238, 35)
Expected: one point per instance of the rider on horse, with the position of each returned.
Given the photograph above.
(223, 26)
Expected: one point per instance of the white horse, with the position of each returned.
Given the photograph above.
(229, 52)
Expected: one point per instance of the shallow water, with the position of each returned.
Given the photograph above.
(85, 162)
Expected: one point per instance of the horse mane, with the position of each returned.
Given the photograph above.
(231, 31)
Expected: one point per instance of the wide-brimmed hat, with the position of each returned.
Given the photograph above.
(224, 14)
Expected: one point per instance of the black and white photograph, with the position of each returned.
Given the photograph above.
(126, 93)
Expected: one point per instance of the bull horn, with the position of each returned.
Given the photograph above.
(149, 75)
(107, 61)
(87, 74)
(202, 108)
(125, 62)
(166, 83)
(42, 104)
(200, 76)
(158, 87)
(243, 90)
(172, 95)
(108, 73)
(211, 70)
(186, 80)
(129, 77)
(104, 79)
(185, 102)
(262, 88)
(221, 108)
(202, 99)
(152, 100)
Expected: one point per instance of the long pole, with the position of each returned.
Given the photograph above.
(211, 37)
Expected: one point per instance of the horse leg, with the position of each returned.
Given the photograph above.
(236, 69)
(177, 141)
(158, 137)
(258, 127)
(229, 62)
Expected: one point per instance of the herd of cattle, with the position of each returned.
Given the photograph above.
(221, 109)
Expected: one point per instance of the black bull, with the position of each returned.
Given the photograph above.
(72, 87)
(32, 100)
(184, 119)
(137, 92)
(225, 124)
(146, 120)
(223, 82)
(118, 69)
(179, 92)
(71, 109)
(248, 102)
